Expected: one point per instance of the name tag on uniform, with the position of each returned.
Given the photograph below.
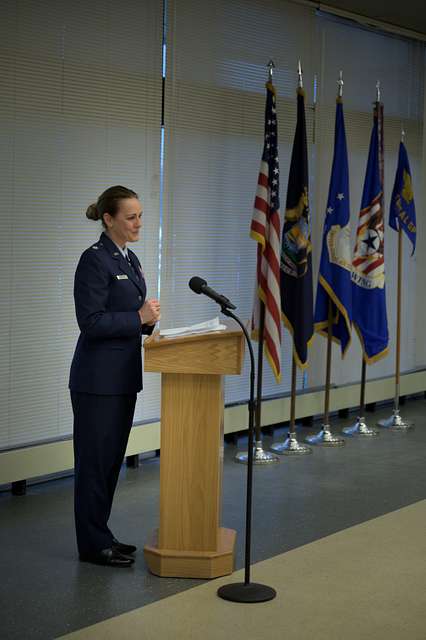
(122, 276)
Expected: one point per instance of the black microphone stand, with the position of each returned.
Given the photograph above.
(247, 591)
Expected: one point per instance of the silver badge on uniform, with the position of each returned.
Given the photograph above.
(122, 276)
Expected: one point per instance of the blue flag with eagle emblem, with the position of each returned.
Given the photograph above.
(402, 212)
(296, 247)
(334, 280)
(368, 264)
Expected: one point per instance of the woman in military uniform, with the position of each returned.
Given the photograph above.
(106, 372)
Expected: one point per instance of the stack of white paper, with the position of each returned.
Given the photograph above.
(202, 327)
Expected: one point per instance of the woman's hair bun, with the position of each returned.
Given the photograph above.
(109, 202)
(92, 212)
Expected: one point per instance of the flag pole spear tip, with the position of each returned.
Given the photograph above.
(300, 73)
(271, 67)
(378, 95)
(340, 84)
(402, 133)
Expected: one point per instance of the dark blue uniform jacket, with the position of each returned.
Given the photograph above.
(108, 293)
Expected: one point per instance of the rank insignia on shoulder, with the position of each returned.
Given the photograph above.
(95, 247)
(122, 276)
(115, 253)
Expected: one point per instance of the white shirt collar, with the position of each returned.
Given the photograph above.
(123, 251)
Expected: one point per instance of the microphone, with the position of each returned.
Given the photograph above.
(198, 285)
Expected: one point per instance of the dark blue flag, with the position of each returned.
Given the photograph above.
(296, 246)
(368, 276)
(334, 281)
(402, 212)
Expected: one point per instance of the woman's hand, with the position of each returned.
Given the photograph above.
(149, 313)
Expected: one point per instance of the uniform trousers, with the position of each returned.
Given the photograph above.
(102, 425)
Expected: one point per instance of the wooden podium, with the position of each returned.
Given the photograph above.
(190, 542)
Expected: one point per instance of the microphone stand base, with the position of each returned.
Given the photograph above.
(246, 592)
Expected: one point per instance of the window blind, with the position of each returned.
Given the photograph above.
(365, 57)
(215, 102)
(80, 110)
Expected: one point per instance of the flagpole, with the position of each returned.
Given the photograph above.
(291, 446)
(398, 323)
(360, 428)
(325, 437)
(292, 430)
(395, 422)
(260, 456)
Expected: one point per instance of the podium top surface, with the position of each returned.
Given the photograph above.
(156, 340)
(215, 352)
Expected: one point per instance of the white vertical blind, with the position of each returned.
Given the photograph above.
(218, 52)
(80, 110)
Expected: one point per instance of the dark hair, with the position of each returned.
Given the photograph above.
(109, 202)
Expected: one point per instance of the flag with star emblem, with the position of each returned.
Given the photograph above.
(296, 247)
(265, 229)
(368, 264)
(402, 210)
(334, 280)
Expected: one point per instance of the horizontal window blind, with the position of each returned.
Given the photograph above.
(80, 110)
(215, 102)
(366, 57)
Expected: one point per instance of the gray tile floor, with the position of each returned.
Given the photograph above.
(45, 592)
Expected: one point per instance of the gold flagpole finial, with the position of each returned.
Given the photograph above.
(300, 73)
(271, 67)
(340, 84)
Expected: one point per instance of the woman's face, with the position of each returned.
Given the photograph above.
(125, 225)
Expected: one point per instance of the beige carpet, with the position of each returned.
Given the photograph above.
(364, 583)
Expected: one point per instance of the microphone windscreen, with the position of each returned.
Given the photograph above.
(196, 284)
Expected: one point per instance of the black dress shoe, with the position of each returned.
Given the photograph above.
(110, 557)
(126, 549)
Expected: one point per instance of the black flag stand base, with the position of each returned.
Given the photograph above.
(247, 591)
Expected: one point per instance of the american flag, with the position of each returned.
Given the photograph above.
(265, 229)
